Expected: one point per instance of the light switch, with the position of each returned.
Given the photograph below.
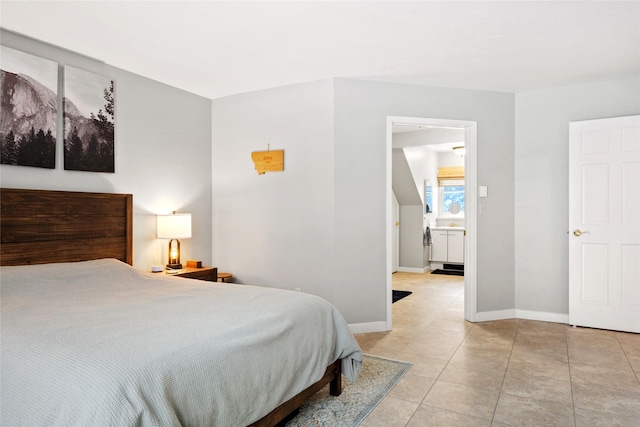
(483, 191)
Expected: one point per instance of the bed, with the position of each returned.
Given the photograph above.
(87, 339)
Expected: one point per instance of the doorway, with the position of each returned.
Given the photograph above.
(470, 164)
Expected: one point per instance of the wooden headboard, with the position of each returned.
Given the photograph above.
(40, 226)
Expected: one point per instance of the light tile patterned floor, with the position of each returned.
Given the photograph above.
(501, 373)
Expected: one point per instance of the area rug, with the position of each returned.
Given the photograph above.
(377, 377)
(449, 272)
(398, 295)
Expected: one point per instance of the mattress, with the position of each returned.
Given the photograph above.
(100, 343)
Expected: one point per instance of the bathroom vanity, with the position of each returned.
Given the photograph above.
(447, 244)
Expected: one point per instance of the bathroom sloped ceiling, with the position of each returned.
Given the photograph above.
(403, 183)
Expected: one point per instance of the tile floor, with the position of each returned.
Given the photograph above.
(500, 373)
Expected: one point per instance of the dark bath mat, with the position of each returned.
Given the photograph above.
(398, 295)
(449, 272)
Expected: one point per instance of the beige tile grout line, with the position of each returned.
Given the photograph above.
(573, 401)
(636, 373)
(513, 344)
(445, 367)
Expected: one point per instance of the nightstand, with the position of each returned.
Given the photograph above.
(205, 273)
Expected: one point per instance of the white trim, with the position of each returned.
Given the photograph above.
(363, 328)
(389, 222)
(471, 207)
(514, 313)
(542, 316)
(413, 270)
(471, 222)
(487, 316)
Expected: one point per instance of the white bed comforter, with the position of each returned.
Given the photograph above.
(99, 343)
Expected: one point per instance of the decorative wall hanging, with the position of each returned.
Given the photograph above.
(268, 161)
(28, 109)
(89, 125)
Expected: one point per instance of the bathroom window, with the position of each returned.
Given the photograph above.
(451, 191)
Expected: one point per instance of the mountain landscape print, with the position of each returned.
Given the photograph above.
(89, 125)
(28, 109)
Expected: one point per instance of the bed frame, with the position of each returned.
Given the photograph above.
(332, 376)
(41, 226)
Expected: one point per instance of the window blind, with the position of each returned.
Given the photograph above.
(451, 172)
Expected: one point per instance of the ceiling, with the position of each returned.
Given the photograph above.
(437, 138)
(221, 48)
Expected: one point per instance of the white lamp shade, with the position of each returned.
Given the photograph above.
(174, 226)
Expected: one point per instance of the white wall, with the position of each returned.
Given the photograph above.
(163, 153)
(320, 224)
(423, 163)
(541, 177)
(403, 181)
(408, 166)
(449, 159)
(276, 229)
(361, 109)
(420, 160)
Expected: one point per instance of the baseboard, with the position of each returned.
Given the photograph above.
(363, 328)
(487, 316)
(542, 316)
(484, 316)
(413, 270)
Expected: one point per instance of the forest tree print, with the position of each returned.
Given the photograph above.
(28, 109)
(89, 121)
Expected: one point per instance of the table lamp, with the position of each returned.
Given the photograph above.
(174, 226)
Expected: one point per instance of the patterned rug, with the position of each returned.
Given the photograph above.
(377, 377)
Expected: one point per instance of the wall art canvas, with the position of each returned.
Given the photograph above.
(28, 109)
(89, 121)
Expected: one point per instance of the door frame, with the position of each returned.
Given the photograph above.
(395, 242)
(471, 208)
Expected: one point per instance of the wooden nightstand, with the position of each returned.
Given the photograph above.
(205, 273)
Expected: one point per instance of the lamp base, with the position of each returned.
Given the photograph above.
(174, 266)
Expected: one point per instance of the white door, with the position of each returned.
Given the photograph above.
(395, 250)
(604, 223)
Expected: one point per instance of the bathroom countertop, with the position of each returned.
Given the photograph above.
(447, 228)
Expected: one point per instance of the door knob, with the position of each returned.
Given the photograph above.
(397, 223)
(579, 233)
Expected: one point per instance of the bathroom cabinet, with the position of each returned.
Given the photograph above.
(447, 245)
